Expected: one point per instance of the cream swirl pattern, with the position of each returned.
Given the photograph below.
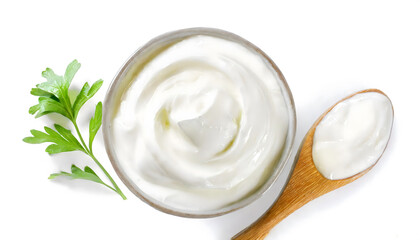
(202, 124)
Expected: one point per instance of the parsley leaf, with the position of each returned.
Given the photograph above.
(57, 86)
(85, 94)
(77, 173)
(53, 97)
(95, 123)
(63, 140)
(48, 105)
(71, 70)
(42, 93)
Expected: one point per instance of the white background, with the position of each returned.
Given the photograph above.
(326, 50)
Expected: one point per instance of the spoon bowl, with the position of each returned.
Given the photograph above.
(305, 184)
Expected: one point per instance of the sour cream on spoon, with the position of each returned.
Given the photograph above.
(353, 135)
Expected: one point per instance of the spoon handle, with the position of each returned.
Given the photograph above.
(297, 193)
(305, 184)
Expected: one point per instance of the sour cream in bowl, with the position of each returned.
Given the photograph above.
(199, 122)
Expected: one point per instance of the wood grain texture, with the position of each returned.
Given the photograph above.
(305, 184)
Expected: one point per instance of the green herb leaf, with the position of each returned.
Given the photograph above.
(80, 99)
(68, 136)
(59, 148)
(71, 70)
(59, 87)
(65, 142)
(55, 84)
(95, 123)
(48, 105)
(77, 173)
(54, 98)
(85, 94)
(95, 87)
(41, 93)
(34, 109)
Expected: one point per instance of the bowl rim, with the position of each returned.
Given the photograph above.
(108, 111)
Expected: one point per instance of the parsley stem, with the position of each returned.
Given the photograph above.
(80, 136)
(117, 189)
(90, 153)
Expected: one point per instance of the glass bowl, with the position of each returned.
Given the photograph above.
(129, 71)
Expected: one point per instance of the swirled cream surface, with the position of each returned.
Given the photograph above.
(353, 135)
(202, 125)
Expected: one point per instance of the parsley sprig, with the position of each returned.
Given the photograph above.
(53, 97)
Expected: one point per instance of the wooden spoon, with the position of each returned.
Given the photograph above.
(305, 184)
